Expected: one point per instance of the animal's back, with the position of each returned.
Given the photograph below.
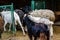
(7, 16)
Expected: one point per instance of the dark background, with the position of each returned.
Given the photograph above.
(50, 4)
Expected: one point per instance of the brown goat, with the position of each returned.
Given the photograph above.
(1, 25)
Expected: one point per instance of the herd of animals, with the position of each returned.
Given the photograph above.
(38, 22)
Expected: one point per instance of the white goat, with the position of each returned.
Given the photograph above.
(8, 19)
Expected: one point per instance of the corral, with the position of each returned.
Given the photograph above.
(52, 5)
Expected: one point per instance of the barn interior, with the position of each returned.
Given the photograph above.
(49, 4)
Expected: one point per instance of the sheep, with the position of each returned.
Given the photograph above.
(43, 13)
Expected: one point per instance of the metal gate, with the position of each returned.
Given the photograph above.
(37, 4)
(12, 14)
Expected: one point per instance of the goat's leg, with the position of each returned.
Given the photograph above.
(42, 36)
(15, 23)
(35, 38)
(48, 33)
(0, 35)
(10, 27)
(4, 26)
(30, 35)
(51, 33)
(21, 27)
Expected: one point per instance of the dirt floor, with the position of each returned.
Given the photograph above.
(19, 36)
(56, 33)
